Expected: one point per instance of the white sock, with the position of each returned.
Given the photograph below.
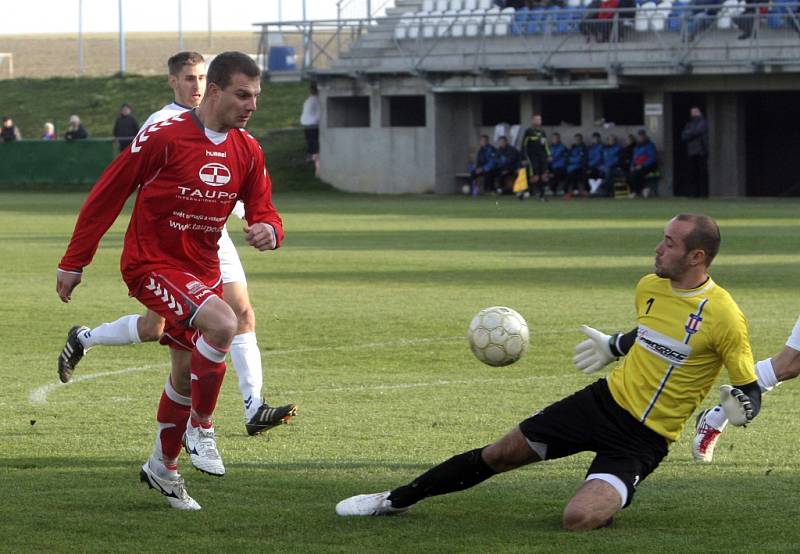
(766, 375)
(794, 338)
(157, 466)
(247, 361)
(716, 418)
(122, 331)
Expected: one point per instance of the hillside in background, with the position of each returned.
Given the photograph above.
(97, 100)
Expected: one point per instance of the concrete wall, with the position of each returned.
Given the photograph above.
(727, 160)
(385, 159)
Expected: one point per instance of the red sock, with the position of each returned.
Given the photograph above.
(207, 376)
(171, 419)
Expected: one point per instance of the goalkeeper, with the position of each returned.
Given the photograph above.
(688, 327)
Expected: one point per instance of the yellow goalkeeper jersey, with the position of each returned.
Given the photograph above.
(684, 338)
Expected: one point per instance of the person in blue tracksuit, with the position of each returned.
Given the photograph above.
(611, 164)
(644, 162)
(594, 163)
(558, 166)
(485, 164)
(507, 165)
(576, 168)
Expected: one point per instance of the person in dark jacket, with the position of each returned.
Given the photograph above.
(558, 165)
(576, 168)
(76, 130)
(626, 155)
(125, 127)
(508, 164)
(9, 132)
(644, 162)
(695, 136)
(485, 164)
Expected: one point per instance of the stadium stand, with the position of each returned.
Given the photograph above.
(429, 73)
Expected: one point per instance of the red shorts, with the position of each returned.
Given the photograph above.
(176, 296)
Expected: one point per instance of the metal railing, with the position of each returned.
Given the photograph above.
(648, 39)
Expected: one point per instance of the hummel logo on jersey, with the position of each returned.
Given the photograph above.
(165, 297)
(215, 175)
(666, 348)
(212, 154)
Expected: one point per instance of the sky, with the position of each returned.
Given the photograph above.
(102, 16)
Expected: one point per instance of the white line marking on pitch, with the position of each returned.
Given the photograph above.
(39, 394)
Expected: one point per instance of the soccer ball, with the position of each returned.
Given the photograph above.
(498, 336)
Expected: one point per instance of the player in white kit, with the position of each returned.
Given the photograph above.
(187, 75)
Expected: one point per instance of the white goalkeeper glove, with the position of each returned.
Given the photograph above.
(737, 405)
(594, 353)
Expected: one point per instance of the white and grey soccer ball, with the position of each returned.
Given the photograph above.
(498, 336)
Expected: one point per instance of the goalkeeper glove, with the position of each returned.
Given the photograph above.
(736, 404)
(595, 352)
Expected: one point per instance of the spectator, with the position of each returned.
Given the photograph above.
(125, 127)
(9, 132)
(746, 20)
(537, 155)
(76, 130)
(594, 163)
(599, 20)
(485, 165)
(626, 10)
(309, 119)
(704, 16)
(576, 168)
(626, 155)
(49, 132)
(508, 164)
(558, 165)
(644, 162)
(611, 164)
(695, 135)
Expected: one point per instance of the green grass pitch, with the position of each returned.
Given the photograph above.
(361, 321)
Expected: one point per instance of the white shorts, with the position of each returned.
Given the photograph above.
(229, 263)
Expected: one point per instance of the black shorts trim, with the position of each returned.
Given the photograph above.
(591, 420)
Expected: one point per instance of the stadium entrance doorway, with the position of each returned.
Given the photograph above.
(772, 140)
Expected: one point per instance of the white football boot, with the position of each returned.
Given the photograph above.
(377, 504)
(201, 445)
(705, 439)
(173, 489)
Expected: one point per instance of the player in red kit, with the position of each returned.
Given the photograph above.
(189, 171)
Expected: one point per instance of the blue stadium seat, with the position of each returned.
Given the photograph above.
(519, 26)
(677, 15)
(536, 21)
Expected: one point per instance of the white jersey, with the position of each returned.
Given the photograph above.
(229, 263)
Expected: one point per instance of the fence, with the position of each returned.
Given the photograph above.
(55, 162)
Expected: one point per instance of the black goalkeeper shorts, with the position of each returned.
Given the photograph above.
(591, 420)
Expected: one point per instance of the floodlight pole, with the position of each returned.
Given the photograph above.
(180, 25)
(210, 39)
(121, 41)
(80, 37)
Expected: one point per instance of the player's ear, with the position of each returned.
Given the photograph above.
(697, 257)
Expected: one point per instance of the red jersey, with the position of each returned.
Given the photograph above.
(188, 186)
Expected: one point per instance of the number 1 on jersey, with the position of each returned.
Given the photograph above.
(649, 305)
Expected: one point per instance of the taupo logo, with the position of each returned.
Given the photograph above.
(215, 175)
